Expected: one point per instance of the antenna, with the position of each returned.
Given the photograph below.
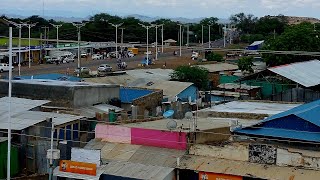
(188, 116)
(172, 125)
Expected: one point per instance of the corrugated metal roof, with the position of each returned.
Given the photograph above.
(304, 73)
(137, 171)
(170, 88)
(128, 95)
(19, 105)
(256, 43)
(136, 153)
(309, 112)
(101, 108)
(219, 67)
(26, 119)
(241, 168)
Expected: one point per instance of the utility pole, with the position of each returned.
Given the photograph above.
(79, 26)
(157, 26)
(116, 26)
(202, 34)
(57, 27)
(147, 27)
(9, 113)
(29, 26)
(209, 35)
(230, 34)
(19, 26)
(180, 37)
(224, 36)
(162, 38)
(188, 35)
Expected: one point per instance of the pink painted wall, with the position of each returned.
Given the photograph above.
(157, 138)
(111, 133)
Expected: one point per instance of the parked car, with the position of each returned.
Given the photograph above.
(130, 54)
(5, 67)
(83, 55)
(97, 57)
(104, 68)
(52, 60)
(195, 55)
(112, 54)
(82, 71)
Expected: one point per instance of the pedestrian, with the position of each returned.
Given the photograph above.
(67, 73)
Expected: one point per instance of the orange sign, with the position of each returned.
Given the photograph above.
(214, 176)
(78, 167)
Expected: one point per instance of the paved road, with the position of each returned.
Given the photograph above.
(93, 65)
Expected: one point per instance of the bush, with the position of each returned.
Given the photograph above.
(214, 57)
(245, 64)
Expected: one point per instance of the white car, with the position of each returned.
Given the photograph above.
(4, 67)
(130, 54)
(194, 55)
(97, 57)
(104, 68)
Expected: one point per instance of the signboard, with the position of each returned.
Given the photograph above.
(215, 176)
(78, 167)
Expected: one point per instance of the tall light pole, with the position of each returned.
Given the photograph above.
(157, 26)
(180, 37)
(202, 34)
(79, 26)
(57, 27)
(209, 26)
(9, 113)
(29, 26)
(224, 36)
(116, 26)
(147, 28)
(19, 26)
(188, 34)
(162, 39)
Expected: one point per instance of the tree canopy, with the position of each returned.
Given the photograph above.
(194, 74)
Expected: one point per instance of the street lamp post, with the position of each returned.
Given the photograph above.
(122, 29)
(209, 35)
(180, 37)
(147, 27)
(79, 26)
(29, 27)
(157, 26)
(202, 34)
(162, 38)
(224, 36)
(116, 26)
(188, 35)
(19, 26)
(57, 27)
(9, 113)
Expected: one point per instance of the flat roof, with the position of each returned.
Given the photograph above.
(26, 119)
(91, 111)
(218, 67)
(57, 172)
(251, 107)
(186, 125)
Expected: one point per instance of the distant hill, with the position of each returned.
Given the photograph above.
(297, 20)
(137, 16)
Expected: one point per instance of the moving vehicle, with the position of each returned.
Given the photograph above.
(5, 67)
(130, 54)
(83, 55)
(52, 60)
(195, 55)
(97, 56)
(82, 71)
(104, 68)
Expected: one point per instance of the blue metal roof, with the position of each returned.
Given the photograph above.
(60, 77)
(299, 123)
(128, 95)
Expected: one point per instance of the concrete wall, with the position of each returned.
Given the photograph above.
(148, 102)
(286, 157)
(74, 95)
(239, 153)
(158, 138)
(214, 135)
(110, 133)
(87, 96)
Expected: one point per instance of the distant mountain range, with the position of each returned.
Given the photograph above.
(137, 16)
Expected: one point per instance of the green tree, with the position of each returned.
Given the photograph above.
(245, 23)
(194, 74)
(214, 57)
(245, 64)
(301, 37)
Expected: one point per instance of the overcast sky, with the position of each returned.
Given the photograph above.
(163, 8)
